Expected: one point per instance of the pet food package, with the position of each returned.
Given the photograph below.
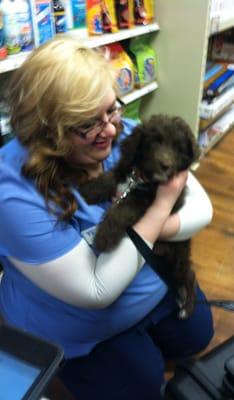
(123, 65)
(122, 14)
(149, 10)
(144, 58)
(94, 17)
(131, 13)
(223, 46)
(139, 12)
(135, 71)
(132, 110)
(109, 20)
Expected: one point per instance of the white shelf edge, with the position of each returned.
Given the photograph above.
(208, 111)
(216, 138)
(15, 61)
(107, 38)
(221, 22)
(138, 93)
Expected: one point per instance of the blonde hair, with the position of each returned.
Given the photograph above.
(60, 85)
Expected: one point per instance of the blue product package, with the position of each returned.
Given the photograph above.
(212, 89)
(79, 13)
(212, 71)
(44, 18)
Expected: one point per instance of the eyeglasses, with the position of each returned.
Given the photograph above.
(89, 131)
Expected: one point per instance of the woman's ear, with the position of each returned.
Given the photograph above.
(129, 149)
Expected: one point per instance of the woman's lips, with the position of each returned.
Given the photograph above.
(104, 144)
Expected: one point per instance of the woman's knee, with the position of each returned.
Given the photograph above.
(137, 383)
(204, 328)
(148, 386)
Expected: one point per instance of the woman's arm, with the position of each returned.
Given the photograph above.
(195, 214)
(81, 279)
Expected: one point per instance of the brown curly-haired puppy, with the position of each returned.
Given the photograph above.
(155, 151)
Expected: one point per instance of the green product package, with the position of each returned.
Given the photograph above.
(144, 58)
(132, 110)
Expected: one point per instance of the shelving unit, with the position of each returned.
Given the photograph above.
(14, 61)
(217, 130)
(219, 114)
(181, 50)
(138, 93)
(182, 47)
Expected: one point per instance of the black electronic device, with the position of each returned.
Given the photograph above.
(27, 364)
(209, 378)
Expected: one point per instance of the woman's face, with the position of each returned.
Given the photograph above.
(89, 150)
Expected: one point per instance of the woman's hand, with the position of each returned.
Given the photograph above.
(168, 193)
(151, 224)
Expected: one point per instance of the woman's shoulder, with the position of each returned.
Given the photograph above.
(12, 156)
(29, 230)
(128, 126)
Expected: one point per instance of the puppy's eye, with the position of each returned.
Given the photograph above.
(159, 139)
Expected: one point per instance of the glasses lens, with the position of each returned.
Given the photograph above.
(93, 130)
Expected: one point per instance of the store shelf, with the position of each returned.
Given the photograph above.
(215, 139)
(122, 34)
(215, 132)
(211, 110)
(138, 93)
(14, 61)
(222, 22)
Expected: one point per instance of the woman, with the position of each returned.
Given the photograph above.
(110, 312)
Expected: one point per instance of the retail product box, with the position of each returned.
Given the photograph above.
(215, 131)
(210, 110)
(43, 20)
(223, 46)
(76, 16)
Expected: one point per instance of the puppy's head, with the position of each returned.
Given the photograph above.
(166, 147)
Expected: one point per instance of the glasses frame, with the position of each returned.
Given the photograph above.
(98, 127)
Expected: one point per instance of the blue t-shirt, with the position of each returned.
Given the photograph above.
(30, 233)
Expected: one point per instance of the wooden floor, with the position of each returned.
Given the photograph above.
(213, 248)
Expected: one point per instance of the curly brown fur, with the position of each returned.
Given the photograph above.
(157, 150)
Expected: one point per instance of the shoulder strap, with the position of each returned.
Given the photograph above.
(156, 262)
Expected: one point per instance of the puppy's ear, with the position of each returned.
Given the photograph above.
(129, 149)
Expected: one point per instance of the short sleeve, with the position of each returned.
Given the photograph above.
(28, 231)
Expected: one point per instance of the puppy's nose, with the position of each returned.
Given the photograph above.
(165, 165)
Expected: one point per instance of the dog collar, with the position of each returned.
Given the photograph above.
(133, 181)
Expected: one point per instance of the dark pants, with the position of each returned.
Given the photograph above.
(131, 365)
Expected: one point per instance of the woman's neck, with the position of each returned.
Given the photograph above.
(95, 170)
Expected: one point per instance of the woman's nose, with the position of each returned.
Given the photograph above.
(108, 129)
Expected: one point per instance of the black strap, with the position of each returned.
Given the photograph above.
(158, 263)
